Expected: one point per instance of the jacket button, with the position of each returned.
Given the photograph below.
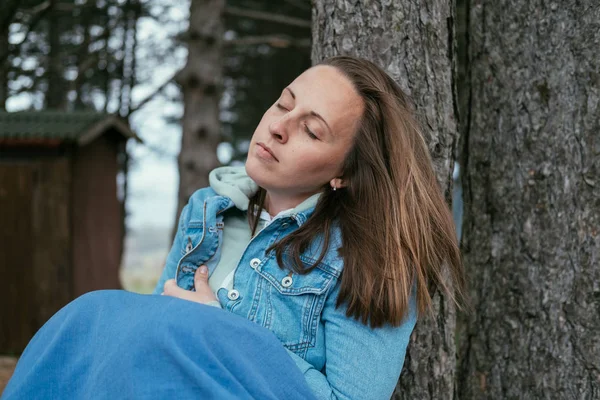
(233, 294)
(255, 262)
(287, 281)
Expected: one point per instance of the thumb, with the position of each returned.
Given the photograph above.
(201, 276)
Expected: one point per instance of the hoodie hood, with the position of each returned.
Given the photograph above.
(233, 182)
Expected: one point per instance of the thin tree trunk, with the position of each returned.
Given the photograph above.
(8, 9)
(83, 56)
(413, 41)
(121, 30)
(531, 239)
(132, 13)
(200, 81)
(3, 67)
(106, 56)
(129, 82)
(56, 92)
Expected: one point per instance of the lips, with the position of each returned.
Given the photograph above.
(264, 146)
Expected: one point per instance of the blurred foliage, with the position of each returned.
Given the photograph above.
(255, 75)
(70, 54)
(89, 54)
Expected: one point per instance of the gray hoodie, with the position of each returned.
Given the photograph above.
(233, 182)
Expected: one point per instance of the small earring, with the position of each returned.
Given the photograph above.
(334, 188)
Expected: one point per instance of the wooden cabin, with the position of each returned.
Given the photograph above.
(61, 214)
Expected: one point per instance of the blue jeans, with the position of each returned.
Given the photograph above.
(119, 345)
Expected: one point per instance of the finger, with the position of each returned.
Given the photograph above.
(201, 277)
(185, 295)
(203, 293)
(169, 285)
(171, 289)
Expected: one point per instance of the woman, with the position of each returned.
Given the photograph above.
(349, 228)
(329, 238)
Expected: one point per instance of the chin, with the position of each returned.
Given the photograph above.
(253, 170)
(258, 173)
(250, 168)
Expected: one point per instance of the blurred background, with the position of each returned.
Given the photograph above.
(87, 61)
(112, 113)
(92, 99)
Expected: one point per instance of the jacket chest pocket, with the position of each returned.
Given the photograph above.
(202, 242)
(193, 236)
(293, 303)
(198, 247)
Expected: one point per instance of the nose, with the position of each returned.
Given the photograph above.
(278, 129)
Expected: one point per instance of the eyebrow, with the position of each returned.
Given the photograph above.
(313, 113)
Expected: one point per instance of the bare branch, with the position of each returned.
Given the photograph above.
(38, 8)
(81, 69)
(272, 40)
(266, 16)
(151, 96)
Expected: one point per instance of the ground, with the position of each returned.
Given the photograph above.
(7, 366)
(141, 280)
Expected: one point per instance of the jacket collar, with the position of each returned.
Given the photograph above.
(220, 204)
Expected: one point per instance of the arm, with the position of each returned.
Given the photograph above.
(361, 363)
(174, 254)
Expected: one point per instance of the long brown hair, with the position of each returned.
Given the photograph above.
(397, 230)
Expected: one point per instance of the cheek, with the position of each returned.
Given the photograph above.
(264, 123)
(315, 162)
(259, 128)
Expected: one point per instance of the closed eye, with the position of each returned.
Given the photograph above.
(309, 132)
(281, 107)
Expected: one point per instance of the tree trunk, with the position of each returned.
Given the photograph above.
(3, 67)
(412, 40)
(531, 240)
(56, 92)
(132, 13)
(105, 56)
(200, 81)
(84, 59)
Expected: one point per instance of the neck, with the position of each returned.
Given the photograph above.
(277, 202)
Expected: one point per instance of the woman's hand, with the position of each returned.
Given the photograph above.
(203, 293)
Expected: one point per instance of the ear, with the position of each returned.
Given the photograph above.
(337, 183)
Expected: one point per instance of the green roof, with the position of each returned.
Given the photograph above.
(76, 126)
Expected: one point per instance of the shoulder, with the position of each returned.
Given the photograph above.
(194, 209)
(333, 258)
(201, 195)
(332, 261)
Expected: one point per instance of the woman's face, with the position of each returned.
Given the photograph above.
(301, 141)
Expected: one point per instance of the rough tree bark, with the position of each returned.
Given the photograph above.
(200, 81)
(531, 239)
(412, 41)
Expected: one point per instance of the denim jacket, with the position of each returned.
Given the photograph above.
(340, 357)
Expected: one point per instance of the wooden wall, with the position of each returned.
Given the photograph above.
(35, 246)
(60, 233)
(97, 217)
